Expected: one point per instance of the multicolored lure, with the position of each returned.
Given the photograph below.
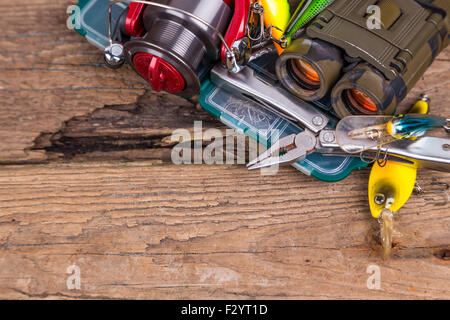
(305, 12)
(277, 14)
(359, 133)
(411, 126)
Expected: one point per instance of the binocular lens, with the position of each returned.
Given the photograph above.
(305, 74)
(360, 101)
(309, 68)
(365, 90)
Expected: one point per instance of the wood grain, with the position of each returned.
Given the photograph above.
(87, 180)
(140, 230)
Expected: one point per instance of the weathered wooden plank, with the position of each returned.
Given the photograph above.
(155, 231)
(49, 74)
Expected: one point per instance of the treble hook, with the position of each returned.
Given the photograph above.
(257, 9)
(447, 126)
(282, 42)
(382, 163)
(440, 187)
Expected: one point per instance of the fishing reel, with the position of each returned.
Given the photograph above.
(172, 44)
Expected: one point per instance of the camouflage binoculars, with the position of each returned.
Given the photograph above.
(367, 53)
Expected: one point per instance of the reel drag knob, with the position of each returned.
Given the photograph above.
(160, 74)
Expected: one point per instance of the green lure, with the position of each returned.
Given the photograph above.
(410, 126)
(359, 133)
(305, 12)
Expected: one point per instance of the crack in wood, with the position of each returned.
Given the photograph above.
(443, 254)
(135, 131)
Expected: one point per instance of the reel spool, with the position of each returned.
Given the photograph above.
(176, 48)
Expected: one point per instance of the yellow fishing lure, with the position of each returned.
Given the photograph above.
(391, 186)
(277, 14)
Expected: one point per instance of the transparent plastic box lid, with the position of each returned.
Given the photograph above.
(94, 20)
(248, 117)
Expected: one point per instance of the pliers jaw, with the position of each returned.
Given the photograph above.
(286, 150)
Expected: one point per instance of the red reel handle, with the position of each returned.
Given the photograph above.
(134, 23)
(238, 24)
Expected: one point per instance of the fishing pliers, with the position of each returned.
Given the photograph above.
(288, 150)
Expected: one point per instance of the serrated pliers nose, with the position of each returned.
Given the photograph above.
(286, 150)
